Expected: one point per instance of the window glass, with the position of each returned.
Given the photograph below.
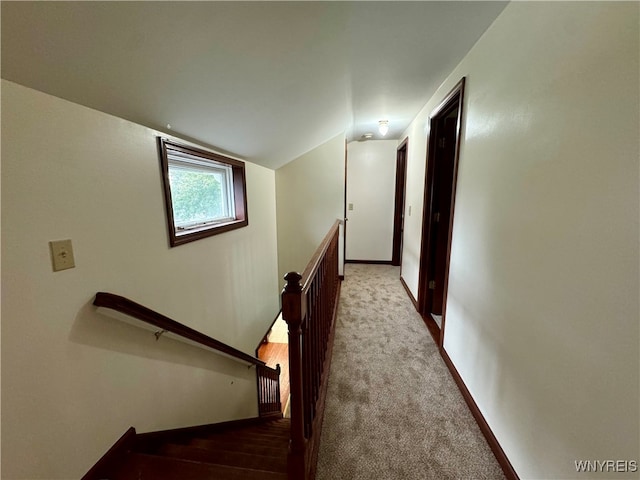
(199, 195)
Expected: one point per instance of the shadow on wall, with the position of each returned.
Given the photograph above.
(97, 330)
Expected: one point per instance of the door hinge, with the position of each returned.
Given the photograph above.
(442, 142)
(432, 284)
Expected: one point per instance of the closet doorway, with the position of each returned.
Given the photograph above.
(443, 150)
(398, 215)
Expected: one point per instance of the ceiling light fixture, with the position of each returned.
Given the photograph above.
(383, 126)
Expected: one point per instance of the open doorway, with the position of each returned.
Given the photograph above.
(443, 150)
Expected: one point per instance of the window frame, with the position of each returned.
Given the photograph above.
(239, 192)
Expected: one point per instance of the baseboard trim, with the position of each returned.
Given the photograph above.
(433, 328)
(411, 297)
(504, 462)
(371, 262)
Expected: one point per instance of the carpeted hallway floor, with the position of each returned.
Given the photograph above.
(393, 411)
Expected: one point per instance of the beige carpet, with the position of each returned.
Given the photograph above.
(393, 411)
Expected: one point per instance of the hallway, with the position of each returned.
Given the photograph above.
(393, 411)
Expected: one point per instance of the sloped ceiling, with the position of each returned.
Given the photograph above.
(266, 81)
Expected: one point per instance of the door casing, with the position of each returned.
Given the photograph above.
(453, 100)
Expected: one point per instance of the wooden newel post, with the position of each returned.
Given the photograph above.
(293, 314)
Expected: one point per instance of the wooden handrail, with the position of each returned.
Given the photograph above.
(140, 312)
(309, 306)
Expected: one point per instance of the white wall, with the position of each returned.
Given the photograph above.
(310, 198)
(74, 380)
(542, 314)
(371, 183)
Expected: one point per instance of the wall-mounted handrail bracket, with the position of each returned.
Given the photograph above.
(158, 334)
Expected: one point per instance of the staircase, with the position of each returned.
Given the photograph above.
(268, 446)
(246, 452)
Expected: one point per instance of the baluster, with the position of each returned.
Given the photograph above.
(305, 377)
(318, 348)
(316, 341)
(269, 390)
(260, 388)
(260, 401)
(265, 389)
(277, 380)
(265, 392)
(321, 320)
(318, 333)
(312, 353)
(261, 398)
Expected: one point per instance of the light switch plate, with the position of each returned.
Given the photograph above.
(61, 255)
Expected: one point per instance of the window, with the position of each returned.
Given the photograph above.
(205, 193)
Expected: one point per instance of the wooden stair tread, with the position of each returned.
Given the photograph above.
(285, 422)
(141, 466)
(252, 437)
(225, 457)
(225, 444)
(281, 428)
(270, 428)
(248, 451)
(277, 422)
(271, 431)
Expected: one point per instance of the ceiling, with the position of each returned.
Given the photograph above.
(266, 81)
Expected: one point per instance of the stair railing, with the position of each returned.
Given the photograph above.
(268, 390)
(268, 379)
(309, 306)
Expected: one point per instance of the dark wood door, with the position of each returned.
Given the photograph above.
(441, 207)
(398, 216)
